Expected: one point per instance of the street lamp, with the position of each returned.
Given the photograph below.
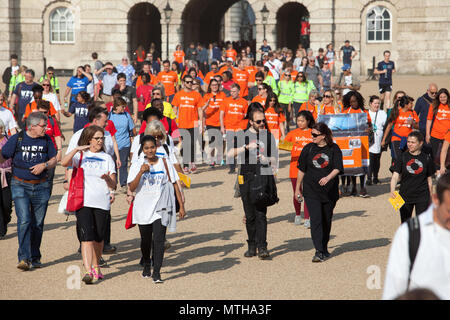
(168, 14)
(264, 15)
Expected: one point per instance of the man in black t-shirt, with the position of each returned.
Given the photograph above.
(128, 94)
(385, 69)
(257, 153)
(349, 53)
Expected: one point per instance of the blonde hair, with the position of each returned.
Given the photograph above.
(335, 104)
(155, 127)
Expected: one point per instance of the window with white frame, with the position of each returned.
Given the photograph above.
(62, 26)
(379, 25)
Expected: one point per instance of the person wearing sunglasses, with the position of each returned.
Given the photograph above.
(423, 105)
(302, 89)
(319, 165)
(253, 90)
(312, 104)
(99, 184)
(263, 91)
(275, 117)
(50, 96)
(50, 75)
(257, 154)
(329, 104)
(286, 94)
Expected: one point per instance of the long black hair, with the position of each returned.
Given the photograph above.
(399, 103)
(349, 95)
(143, 140)
(308, 117)
(277, 106)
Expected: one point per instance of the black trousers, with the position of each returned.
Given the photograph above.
(156, 232)
(256, 218)
(435, 143)
(374, 167)
(321, 215)
(407, 209)
(287, 113)
(5, 206)
(189, 145)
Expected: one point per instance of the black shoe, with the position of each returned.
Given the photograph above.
(102, 263)
(263, 253)
(109, 249)
(251, 252)
(354, 192)
(157, 278)
(79, 249)
(327, 254)
(318, 257)
(146, 273)
(231, 171)
(141, 263)
(376, 181)
(369, 182)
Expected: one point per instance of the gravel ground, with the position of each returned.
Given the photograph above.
(206, 258)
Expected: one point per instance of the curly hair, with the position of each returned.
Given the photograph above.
(346, 99)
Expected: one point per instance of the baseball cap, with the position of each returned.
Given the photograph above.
(346, 67)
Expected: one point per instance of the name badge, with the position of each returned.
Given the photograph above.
(240, 179)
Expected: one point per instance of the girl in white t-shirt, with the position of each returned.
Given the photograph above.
(154, 179)
(99, 184)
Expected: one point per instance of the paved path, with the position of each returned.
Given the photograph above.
(206, 258)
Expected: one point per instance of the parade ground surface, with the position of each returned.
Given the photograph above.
(206, 260)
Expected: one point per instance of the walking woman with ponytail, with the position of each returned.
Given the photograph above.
(404, 120)
(438, 121)
(154, 180)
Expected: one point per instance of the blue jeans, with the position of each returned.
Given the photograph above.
(31, 201)
(124, 153)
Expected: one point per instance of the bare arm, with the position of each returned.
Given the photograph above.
(388, 129)
(222, 126)
(428, 131)
(394, 181)
(443, 156)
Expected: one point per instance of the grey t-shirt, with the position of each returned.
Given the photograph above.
(313, 75)
(109, 81)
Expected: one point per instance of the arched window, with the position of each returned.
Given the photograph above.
(61, 26)
(379, 24)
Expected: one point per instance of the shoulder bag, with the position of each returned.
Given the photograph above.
(75, 198)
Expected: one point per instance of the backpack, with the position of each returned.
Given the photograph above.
(414, 242)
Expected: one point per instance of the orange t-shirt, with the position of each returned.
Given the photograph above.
(187, 104)
(153, 81)
(441, 122)
(327, 110)
(211, 75)
(234, 113)
(252, 70)
(300, 138)
(241, 77)
(401, 127)
(169, 80)
(179, 55)
(231, 53)
(225, 68)
(212, 112)
(31, 107)
(260, 99)
(447, 136)
(273, 121)
(309, 107)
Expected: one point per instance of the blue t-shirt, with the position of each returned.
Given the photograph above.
(80, 111)
(347, 53)
(25, 93)
(77, 85)
(124, 124)
(386, 78)
(31, 152)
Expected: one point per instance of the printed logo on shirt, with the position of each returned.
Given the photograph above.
(151, 178)
(33, 154)
(321, 160)
(414, 166)
(94, 163)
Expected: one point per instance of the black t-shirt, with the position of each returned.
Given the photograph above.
(248, 159)
(318, 162)
(128, 94)
(386, 78)
(414, 171)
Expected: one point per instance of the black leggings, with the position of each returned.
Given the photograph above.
(321, 215)
(158, 231)
(407, 209)
(435, 143)
(374, 165)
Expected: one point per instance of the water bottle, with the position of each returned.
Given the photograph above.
(409, 119)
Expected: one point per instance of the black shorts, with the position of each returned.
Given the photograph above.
(385, 88)
(91, 224)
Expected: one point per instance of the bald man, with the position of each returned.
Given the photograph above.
(423, 104)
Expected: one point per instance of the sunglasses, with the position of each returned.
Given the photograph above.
(315, 135)
(259, 80)
(327, 96)
(98, 138)
(188, 82)
(46, 85)
(50, 73)
(259, 89)
(433, 93)
(260, 121)
(156, 94)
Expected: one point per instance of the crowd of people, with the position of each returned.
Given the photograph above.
(231, 108)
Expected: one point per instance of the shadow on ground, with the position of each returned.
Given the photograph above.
(359, 246)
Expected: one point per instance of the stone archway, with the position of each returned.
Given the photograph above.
(144, 28)
(290, 17)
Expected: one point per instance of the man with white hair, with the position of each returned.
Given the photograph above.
(423, 105)
(125, 67)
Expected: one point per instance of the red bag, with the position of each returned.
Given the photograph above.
(129, 222)
(75, 198)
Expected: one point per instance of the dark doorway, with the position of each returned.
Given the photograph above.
(290, 18)
(144, 28)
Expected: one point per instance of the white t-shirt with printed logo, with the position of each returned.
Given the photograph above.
(96, 191)
(8, 119)
(160, 152)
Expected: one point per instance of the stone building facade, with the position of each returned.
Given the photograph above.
(64, 33)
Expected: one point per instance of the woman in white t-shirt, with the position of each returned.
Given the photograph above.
(99, 184)
(50, 96)
(153, 179)
(379, 118)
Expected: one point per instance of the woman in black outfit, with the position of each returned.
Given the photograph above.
(319, 165)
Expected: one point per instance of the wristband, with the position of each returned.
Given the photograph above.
(65, 181)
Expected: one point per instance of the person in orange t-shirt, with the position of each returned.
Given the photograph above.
(263, 91)
(213, 101)
(241, 77)
(214, 72)
(274, 117)
(252, 70)
(179, 55)
(300, 137)
(404, 120)
(311, 104)
(145, 69)
(438, 121)
(232, 119)
(228, 66)
(188, 104)
(329, 104)
(231, 53)
(38, 91)
(169, 79)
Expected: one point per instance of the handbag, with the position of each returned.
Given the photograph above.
(263, 190)
(372, 132)
(129, 221)
(75, 198)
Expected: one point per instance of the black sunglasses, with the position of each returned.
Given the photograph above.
(315, 135)
(327, 96)
(260, 121)
(188, 82)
